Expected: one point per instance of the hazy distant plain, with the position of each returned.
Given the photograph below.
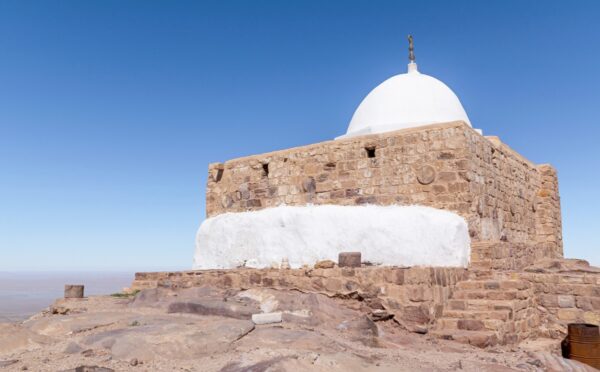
(23, 294)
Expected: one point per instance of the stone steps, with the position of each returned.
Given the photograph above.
(505, 284)
(476, 338)
(495, 325)
(492, 295)
(487, 310)
(478, 315)
(487, 305)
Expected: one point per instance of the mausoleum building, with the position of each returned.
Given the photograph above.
(409, 143)
(460, 235)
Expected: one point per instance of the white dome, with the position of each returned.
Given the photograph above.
(405, 101)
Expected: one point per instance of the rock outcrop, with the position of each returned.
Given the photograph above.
(317, 333)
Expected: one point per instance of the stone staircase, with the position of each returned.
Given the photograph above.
(488, 310)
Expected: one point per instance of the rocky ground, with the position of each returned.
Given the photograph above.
(208, 329)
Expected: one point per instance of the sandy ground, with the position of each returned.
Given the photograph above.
(206, 329)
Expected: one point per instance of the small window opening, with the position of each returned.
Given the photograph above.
(219, 175)
(265, 167)
(330, 166)
(370, 152)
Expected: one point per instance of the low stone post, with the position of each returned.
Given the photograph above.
(73, 291)
(349, 259)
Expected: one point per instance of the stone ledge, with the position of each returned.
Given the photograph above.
(414, 295)
(524, 304)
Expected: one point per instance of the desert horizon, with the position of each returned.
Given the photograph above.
(27, 292)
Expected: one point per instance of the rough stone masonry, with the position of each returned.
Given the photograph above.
(503, 196)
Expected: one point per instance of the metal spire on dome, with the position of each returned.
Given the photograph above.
(412, 66)
(411, 49)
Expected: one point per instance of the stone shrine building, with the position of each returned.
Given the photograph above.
(410, 142)
(460, 235)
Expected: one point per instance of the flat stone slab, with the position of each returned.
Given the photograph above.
(229, 309)
(267, 318)
(62, 325)
(171, 337)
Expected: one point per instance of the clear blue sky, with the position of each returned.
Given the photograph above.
(110, 111)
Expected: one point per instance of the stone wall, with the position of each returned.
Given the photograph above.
(503, 196)
(569, 298)
(499, 255)
(482, 307)
(567, 291)
(548, 214)
(416, 296)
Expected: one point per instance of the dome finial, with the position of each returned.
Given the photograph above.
(411, 49)
(412, 65)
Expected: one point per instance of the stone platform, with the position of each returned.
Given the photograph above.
(482, 307)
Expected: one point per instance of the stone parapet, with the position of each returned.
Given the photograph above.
(414, 295)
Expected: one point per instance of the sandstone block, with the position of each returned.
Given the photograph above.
(396, 292)
(417, 275)
(479, 339)
(335, 272)
(575, 279)
(73, 291)
(548, 301)
(514, 284)
(348, 271)
(457, 305)
(568, 314)
(566, 301)
(439, 276)
(470, 325)
(255, 278)
(208, 306)
(308, 185)
(349, 259)
(419, 293)
(491, 285)
(333, 285)
(501, 295)
(595, 301)
(447, 176)
(470, 285)
(267, 318)
(592, 317)
(379, 315)
(415, 314)
(325, 264)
